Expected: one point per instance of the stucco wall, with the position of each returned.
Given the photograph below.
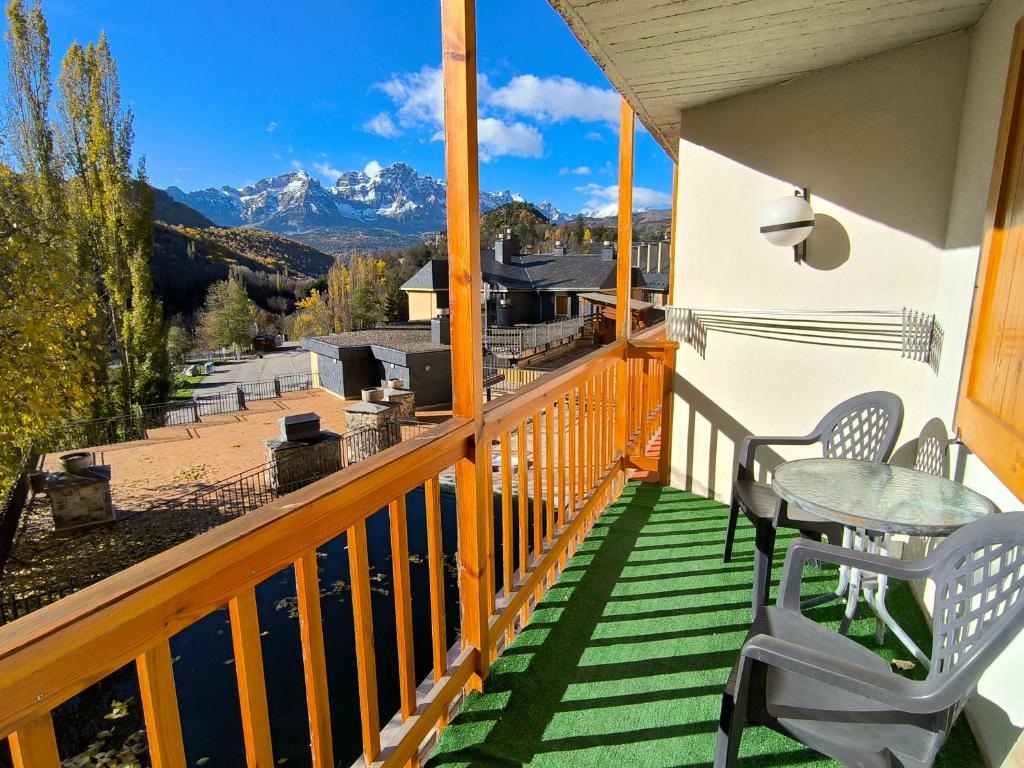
(897, 152)
(875, 142)
(422, 305)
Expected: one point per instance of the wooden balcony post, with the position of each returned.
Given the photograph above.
(669, 370)
(458, 47)
(623, 316)
(35, 745)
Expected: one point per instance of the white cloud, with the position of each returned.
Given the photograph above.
(594, 136)
(498, 138)
(418, 95)
(329, 174)
(276, 156)
(557, 99)
(604, 200)
(419, 101)
(581, 170)
(372, 168)
(607, 169)
(297, 165)
(382, 125)
(271, 126)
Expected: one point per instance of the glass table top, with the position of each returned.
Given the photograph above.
(879, 497)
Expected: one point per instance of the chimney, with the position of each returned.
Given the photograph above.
(559, 248)
(648, 257)
(659, 255)
(506, 247)
(608, 251)
(441, 328)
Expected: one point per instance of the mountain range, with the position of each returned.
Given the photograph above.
(395, 199)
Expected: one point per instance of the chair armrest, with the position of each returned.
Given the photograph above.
(751, 443)
(886, 688)
(801, 550)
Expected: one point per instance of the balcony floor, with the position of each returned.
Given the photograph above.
(624, 661)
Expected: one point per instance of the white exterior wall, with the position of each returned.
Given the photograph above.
(897, 152)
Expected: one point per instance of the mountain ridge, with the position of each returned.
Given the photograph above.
(397, 198)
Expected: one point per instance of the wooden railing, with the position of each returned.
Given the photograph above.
(556, 438)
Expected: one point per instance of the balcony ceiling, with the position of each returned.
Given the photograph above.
(669, 55)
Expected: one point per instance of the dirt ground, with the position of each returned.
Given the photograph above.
(179, 460)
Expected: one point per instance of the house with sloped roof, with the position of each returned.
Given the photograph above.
(522, 288)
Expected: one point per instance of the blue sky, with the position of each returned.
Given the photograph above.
(227, 92)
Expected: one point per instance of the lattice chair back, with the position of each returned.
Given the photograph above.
(933, 449)
(863, 427)
(979, 599)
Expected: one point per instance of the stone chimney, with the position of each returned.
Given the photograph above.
(608, 251)
(441, 328)
(506, 247)
(559, 248)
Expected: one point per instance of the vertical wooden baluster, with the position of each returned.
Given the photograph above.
(366, 659)
(403, 606)
(549, 470)
(252, 687)
(311, 629)
(594, 418)
(538, 499)
(538, 491)
(581, 445)
(507, 563)
(524, 513)
(603, 464)
(572, 454)
(563, 461)
(585, 438)
(435, 560)
(563, 510)
(488, 520)
(160, 706)
(34, 745)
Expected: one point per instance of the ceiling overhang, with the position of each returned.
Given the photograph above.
(665, 56)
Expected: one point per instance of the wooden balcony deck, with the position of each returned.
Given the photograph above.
(625, 658)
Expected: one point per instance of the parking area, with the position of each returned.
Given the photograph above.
(290, 358)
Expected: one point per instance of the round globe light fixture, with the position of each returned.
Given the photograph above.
(789, 221)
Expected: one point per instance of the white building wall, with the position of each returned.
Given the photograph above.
(897, 152)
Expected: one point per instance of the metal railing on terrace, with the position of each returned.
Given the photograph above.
(513, 342)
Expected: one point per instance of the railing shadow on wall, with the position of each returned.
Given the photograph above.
(722, 426)
(914, 335)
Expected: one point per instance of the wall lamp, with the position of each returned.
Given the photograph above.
(789, 221)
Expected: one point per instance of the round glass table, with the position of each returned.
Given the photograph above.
(873, 501)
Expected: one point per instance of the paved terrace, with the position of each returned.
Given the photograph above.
(624, 661)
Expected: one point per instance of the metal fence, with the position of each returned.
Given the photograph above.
(176, 413)
(294, 382)
(78, 434)
(514, 341)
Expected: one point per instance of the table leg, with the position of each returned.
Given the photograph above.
(844, 580)
(885, 618)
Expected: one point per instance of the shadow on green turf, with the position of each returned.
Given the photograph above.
(619, 666)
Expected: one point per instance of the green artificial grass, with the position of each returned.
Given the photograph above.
(624, 661)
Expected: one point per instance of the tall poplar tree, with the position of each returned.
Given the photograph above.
(49, 361)
(111, 218)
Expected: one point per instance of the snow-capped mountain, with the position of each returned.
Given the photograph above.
(555, 216)
(397, 197)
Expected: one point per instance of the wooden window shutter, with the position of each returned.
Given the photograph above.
(990, 412)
